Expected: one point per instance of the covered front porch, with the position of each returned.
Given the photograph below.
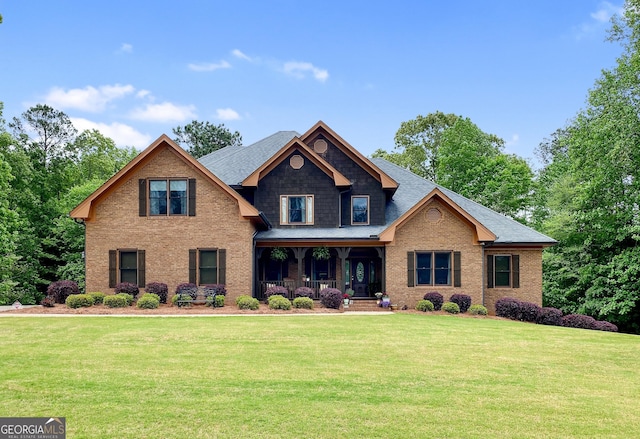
(359, 268)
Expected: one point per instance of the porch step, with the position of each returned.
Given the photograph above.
(364, 305)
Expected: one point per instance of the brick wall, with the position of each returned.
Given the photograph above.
(453, 233)
(167, 240)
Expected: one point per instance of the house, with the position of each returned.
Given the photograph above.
(251, 217)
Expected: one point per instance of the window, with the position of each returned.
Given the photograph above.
(296, 209)
(433, 268)
(127, 266)
(360, 209)
(207, 266)
(167, 197)
(503, 271)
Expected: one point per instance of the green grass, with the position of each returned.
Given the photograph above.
(339, 376)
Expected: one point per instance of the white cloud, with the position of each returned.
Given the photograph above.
(122, 135)
(238, 54)
(164, 112)
(513, 141)
(126, 48)
(599, 20)
(89, 99)
(300, 69)
(227, 114)
(143, 94)
(209, 67)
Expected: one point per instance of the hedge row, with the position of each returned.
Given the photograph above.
(515, 309)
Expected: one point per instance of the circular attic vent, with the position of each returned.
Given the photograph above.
(296, 161)
(434, 215)
(320, 146)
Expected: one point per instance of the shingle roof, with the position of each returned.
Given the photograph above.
(414, 188)
(233, 164)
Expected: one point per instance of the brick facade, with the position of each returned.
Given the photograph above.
(167, 240)
(452, 233)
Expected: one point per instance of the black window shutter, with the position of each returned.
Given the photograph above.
(192, 266)
(222, 266)
(489, 271)
(411, 272)
(457, 280)
(142, 197)
(113, 263)
(141, 269)
(515, 271)
(192, 197)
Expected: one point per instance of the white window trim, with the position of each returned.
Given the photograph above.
(309, 210)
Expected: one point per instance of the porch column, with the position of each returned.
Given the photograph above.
(298, 253)
(383, 278)
(343, 254)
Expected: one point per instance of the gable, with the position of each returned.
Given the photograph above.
(480, 232)
(162, 150)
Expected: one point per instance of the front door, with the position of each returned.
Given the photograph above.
(360, 277)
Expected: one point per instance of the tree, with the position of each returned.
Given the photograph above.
(592, 203)
(471, 163)
(98, 158)
(418, 143)
(202, 138)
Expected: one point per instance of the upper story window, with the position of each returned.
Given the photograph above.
(168, 196)
(296, 209)
(360, 210)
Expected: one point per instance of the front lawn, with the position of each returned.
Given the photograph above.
(336, 376)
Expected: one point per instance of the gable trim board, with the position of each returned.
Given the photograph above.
(470, 232)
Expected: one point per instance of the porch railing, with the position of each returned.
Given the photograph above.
(291, 285)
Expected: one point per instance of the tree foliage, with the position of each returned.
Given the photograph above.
(202, 138)
(590, 196)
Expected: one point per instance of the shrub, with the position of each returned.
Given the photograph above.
(508, 307)
(462, 300)
(605, 326)
(188, 288)
(579, 321)
(79, 301)
(435, 298)
(48, 302)
(97, 297)
(127, 288)
(529, 312)
(303, 302)
(303, 292)
(62, 289)
(215, 301)
(158, 288)
(148, 301)
(115, 301)
(331, 298)
(550, 316)
(478, 310)
(279, 302)
(127, 297)
(247, 302)
(185, 298)
(214, 289)
(451, 307)
(275, 290)
(424, 305)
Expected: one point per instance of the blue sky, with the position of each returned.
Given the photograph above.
(136, 69)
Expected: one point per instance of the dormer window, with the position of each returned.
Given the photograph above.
(360, 210)
(296, 209)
